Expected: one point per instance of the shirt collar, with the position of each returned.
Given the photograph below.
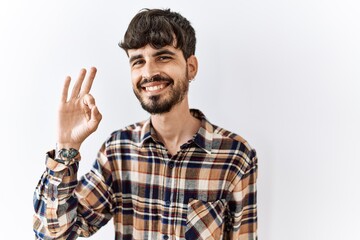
(203, 138)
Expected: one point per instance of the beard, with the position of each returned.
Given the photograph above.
(159, 104)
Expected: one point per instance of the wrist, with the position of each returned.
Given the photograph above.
(60, 145)
(66, 156)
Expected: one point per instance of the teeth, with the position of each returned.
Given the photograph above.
(154, 88)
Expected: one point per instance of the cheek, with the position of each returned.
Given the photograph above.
(135, 78)
(175, 73)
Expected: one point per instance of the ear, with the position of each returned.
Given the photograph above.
(192, 65)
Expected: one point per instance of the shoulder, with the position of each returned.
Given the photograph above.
(223, 143)
(234, 145)
(222, 133)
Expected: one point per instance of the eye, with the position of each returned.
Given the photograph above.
(137, 62)
(164, 58)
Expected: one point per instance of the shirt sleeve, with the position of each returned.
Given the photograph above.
(243, 205)
(66, 208)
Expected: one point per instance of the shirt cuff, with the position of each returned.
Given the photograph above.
(54, 167)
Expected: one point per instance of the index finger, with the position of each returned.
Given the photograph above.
(85, 88)
(64, 94)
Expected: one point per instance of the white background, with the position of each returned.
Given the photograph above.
(284, 74)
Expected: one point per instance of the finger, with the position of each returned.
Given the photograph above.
(95, 118)
(65, 91)
(77, 86)
(95, 114)
(89, 81)
(89, 100)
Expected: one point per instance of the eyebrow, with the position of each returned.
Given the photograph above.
(158, 53)
(163, 51)
(133, 58)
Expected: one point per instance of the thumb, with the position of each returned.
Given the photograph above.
(95, 117)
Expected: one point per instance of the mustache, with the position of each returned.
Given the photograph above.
(156, 78)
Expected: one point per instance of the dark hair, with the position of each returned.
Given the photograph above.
(160, 28)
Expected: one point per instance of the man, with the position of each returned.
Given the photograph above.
(174, 176)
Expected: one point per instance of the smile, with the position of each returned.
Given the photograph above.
(155, 87)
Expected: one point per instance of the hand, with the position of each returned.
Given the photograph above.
(78, 116)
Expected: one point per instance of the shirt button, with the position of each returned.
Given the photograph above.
(167, 203)
(171, 165)
(53, 199)
(165, 237)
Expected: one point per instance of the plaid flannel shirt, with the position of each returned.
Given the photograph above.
(205, 191)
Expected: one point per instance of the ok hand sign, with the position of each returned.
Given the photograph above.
(78, 116)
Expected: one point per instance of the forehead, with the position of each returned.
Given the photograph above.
(148, 51)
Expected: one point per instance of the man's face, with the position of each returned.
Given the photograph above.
(159, 77)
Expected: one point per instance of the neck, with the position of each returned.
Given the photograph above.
(176, 127)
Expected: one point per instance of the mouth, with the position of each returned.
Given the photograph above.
(155, 87)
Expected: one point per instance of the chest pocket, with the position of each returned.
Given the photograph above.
(205, 220)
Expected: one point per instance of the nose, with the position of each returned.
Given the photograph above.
(150, 70)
